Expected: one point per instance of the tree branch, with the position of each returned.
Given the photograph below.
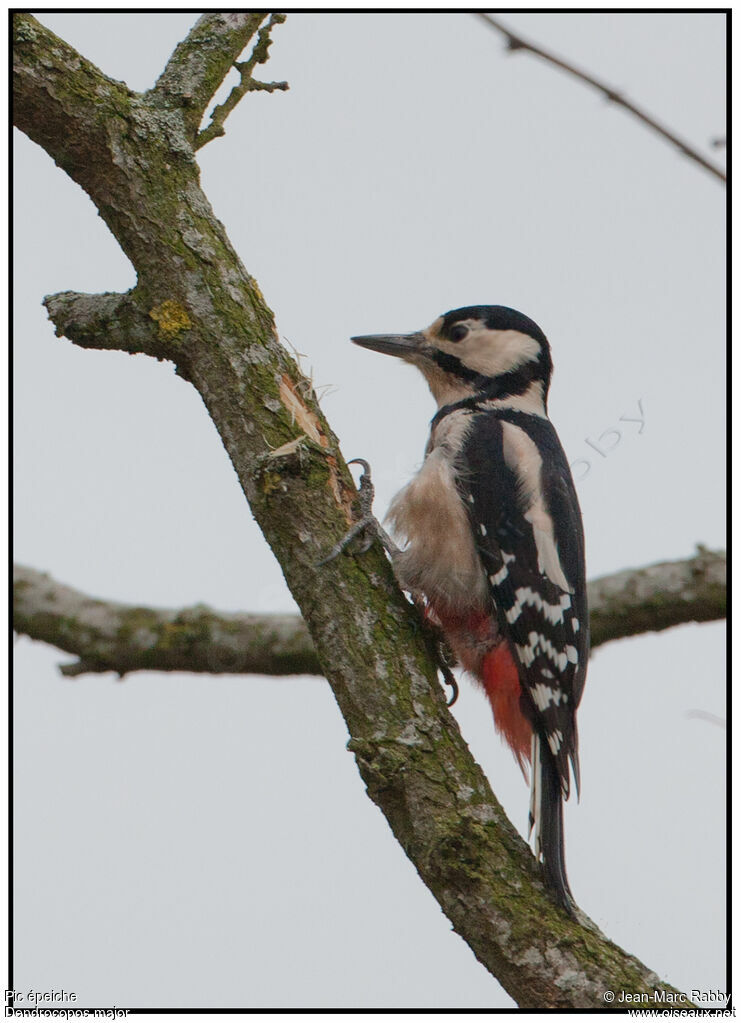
(516, 42)
(658, 597)
(246, 83)
(111, 321)
(136, 160)
(202, 61)
(110, 636)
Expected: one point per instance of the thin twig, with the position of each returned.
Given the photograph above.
(247, 83)
(515, 42)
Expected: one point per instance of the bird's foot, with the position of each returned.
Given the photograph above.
(442, 655)
(367, 524)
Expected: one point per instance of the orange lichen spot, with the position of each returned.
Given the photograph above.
(171, 318)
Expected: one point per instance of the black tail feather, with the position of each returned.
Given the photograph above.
(551, 830)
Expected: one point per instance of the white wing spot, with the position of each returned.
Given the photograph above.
(575, 624)
(559, 659)
(503, 572)
(572, 654)
(543, 696)
(470, 498)
(551, 612)
(526, 654)
(514, 613)
(554, 741)
(482, 527)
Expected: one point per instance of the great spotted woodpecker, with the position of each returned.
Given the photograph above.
(493, 544)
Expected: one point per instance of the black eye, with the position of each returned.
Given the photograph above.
(458, 332)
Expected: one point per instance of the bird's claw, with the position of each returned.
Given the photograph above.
(440, 652)
(368, 542)
(361, 526)
(450, 680)
(367, 523)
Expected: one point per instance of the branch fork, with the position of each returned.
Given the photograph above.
(246, 84)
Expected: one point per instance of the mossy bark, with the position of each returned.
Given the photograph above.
(658, 597)
(197, 306)
(199, 639)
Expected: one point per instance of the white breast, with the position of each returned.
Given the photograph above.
(439, 559)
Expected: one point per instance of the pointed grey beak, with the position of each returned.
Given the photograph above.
(401, 345)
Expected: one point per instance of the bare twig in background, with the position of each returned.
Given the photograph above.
(110, 636)
(516, 42)
(705, 715)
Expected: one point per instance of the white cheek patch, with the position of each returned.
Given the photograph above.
(492, 352)
(523, 458)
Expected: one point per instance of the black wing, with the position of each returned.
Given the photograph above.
(524, 511)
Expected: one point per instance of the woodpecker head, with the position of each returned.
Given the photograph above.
(487, 350)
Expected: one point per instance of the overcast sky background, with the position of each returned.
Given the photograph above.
(197, 841)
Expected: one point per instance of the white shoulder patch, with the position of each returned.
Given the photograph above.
(523, 458)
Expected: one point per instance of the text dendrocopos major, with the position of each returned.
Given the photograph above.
(493, 543)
